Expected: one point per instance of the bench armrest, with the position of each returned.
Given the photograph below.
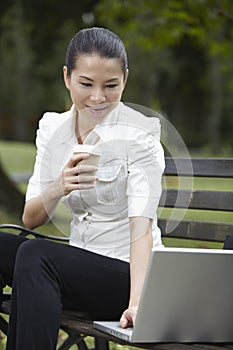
(26, 232)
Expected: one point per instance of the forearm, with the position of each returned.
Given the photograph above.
(39, 210)
(140, 249)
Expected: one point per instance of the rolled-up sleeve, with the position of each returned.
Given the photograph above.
(145, 169)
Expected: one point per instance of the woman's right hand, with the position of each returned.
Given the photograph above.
(74, 176)
(77, 176)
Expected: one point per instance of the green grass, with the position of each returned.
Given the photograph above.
(198, 183)
(17, 157)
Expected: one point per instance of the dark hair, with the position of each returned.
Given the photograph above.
(98, 41)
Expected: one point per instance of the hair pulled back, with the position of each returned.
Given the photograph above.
(98, 41)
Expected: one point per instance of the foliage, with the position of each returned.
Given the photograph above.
(159, 23)
(180, 55)
(16, 62)
(32, 50)
(183, 53)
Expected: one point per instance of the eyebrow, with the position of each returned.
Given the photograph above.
(107, 81)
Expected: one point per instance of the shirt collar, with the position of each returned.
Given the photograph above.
(108, 123)
(68, 131)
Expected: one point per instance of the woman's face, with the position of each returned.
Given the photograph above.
(95, 83)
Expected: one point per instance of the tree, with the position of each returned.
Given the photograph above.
(11, 199)
(16, 70)
(32, 54)
(187, 50)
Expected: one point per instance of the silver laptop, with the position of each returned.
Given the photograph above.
(187, 297)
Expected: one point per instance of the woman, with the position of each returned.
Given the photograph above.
(114, 205)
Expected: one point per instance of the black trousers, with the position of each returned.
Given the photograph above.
(47, 277)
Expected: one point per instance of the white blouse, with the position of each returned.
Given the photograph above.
(129, 176)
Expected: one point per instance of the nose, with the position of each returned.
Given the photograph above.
(98, 96)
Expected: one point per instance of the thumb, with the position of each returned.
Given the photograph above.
(123, 321)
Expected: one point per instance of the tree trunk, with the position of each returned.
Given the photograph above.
(11, 199)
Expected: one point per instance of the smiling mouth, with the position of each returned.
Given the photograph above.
(97, 110)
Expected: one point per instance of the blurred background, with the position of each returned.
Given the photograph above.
(180, 60)
(181, 64)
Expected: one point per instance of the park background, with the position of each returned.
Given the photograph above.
(180, 59)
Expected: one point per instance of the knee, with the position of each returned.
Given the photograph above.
(34, 268)
(28, 255)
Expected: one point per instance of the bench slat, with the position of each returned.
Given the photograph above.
(198, 230)
(210, 200)
(207, 167)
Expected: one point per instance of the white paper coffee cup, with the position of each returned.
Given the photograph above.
(93, 158)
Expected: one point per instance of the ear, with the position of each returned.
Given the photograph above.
(66, 78)
(126, 77)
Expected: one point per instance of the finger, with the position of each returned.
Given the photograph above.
(79, 179)
(82, 179)
(75, 187)
(126, 319)
(76, 158)
(78, 182)
(86, 186)
(79, 169)
(84, 169)
(123, 321)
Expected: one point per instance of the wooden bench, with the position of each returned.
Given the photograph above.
(212, 193)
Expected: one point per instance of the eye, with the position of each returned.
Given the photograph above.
(85, 84)
(111, 86)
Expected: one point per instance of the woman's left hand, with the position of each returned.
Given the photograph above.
(128, 317)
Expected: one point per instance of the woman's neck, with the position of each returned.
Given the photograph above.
(82, 128)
